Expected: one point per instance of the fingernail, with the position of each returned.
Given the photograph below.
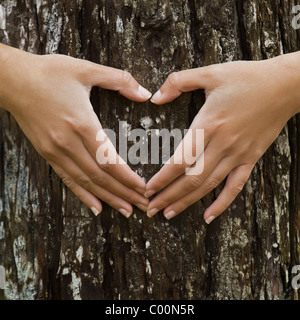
(210, 219)
(95, 211)
(125, 213)
(152, 212)
(140, 190)
(144, 92)
(142, 207)
(171, 214)
(156, 97)
(149, 193)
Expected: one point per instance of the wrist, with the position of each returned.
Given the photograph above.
(5, 75)
(287, 67)
(13, 76)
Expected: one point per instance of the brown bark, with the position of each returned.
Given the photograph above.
(52, 246)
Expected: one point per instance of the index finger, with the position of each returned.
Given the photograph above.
(188, 159)
(98, 144)
(183, 81)
(117, 80)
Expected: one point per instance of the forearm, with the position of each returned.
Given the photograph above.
(288, 67)
(7, 55)
(13, 76)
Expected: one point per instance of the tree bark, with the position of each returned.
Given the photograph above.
(52, 247)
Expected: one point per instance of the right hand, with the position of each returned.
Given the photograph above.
(247, 105)
(49, 98)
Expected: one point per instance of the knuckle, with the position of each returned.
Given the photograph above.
(78, 125)
(85, 69)
(241, 152)
(215, 73)
(67, 181)
(214, 127)
(182, 166)
(237, 188)
(47, 152)
(212, 184)
(229, 148)
(229, 142)
(126, 78)
(84, 182)
(256, 154)
(59, 140)
(98, 180)
(173, 79)
(195, 181)
(106, 166)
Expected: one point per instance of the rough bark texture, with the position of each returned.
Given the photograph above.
(53, 247)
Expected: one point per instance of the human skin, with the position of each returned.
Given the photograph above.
(247, 105)
(49, 98)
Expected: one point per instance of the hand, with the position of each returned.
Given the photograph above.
(49, 98)
(247, 105)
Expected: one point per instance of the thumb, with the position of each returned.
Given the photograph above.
(182, 81)
(118, 80)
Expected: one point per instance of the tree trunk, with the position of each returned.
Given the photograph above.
(52, 247)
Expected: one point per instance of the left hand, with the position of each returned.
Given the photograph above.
(48, 95)
(247, 105)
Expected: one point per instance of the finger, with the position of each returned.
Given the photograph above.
(186, 184)
(99, 177)
(234, 185)
(182, 81)
(113, 164)
(90, 200)
(177, 165)
(72, 175)
(118, 80)
(212, 181)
